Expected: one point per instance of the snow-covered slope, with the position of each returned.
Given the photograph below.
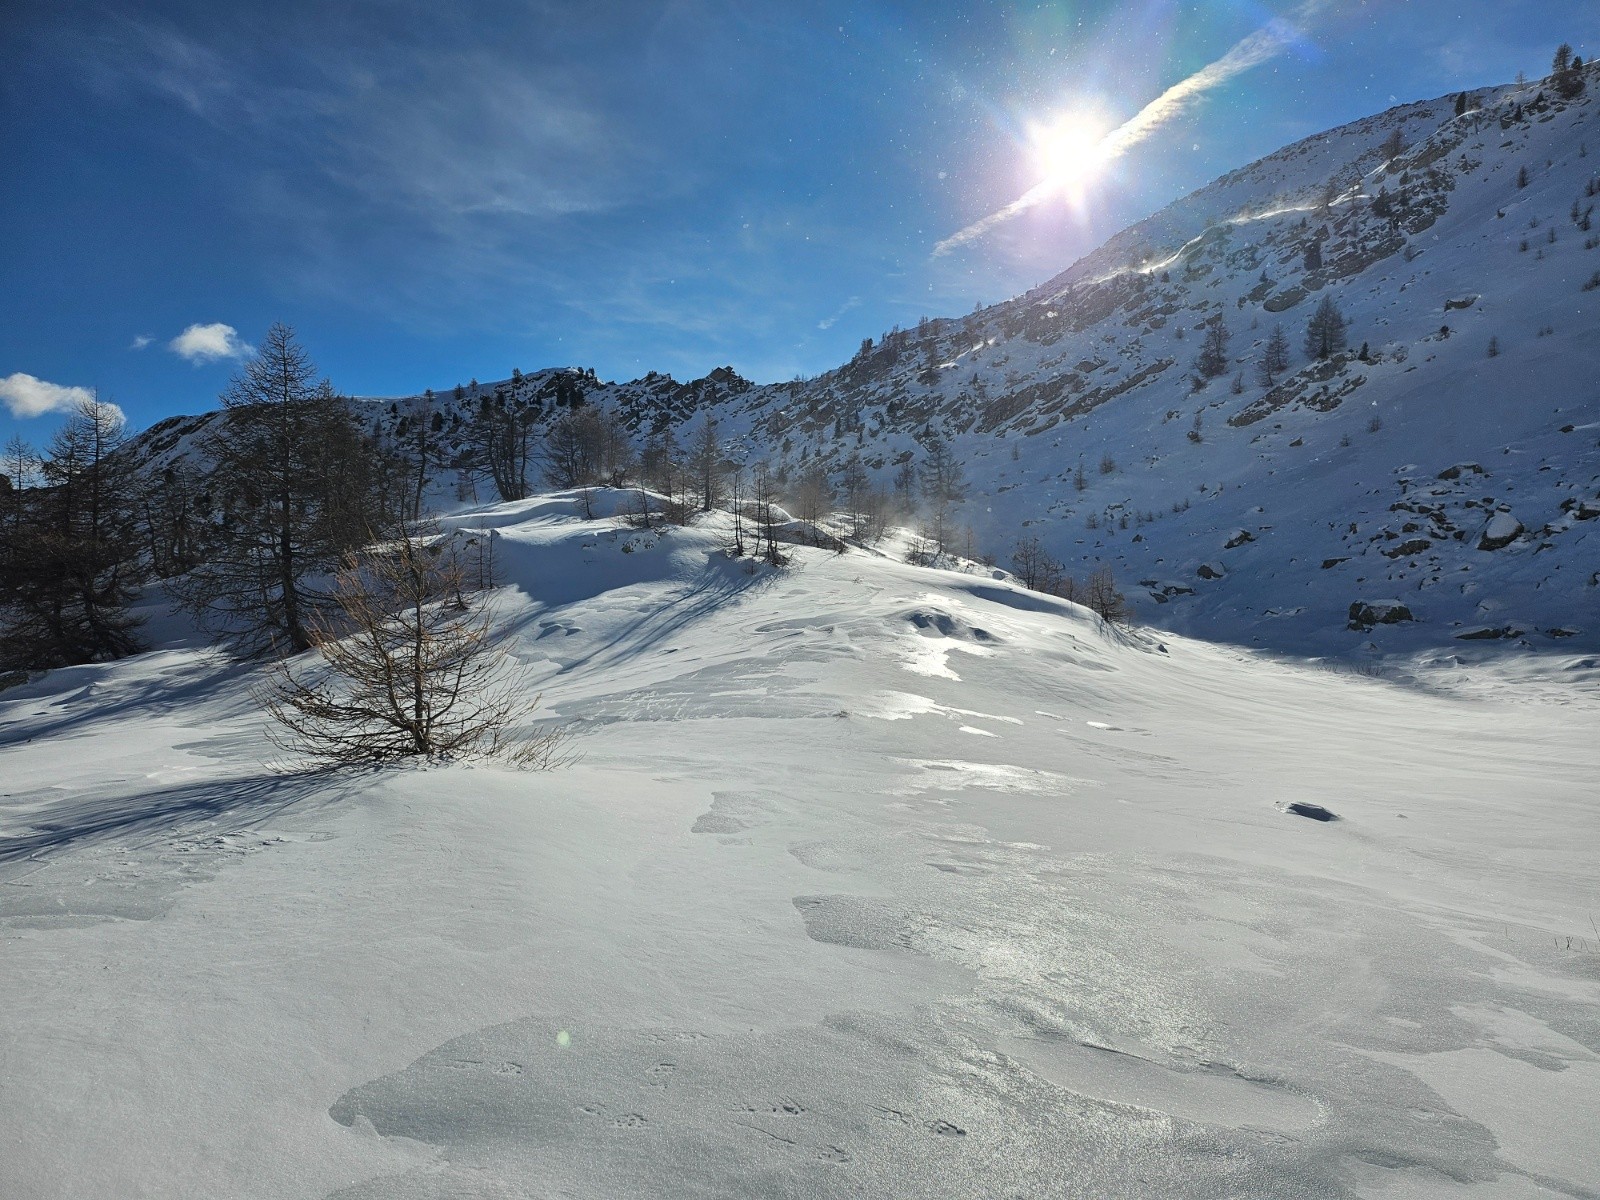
(1448, 477)
(873, 880)
(1335, 470)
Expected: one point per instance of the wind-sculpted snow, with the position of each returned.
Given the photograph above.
(806, 920)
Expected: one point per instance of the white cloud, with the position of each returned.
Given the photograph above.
(207, 343)
(27, 396)
(140, 342)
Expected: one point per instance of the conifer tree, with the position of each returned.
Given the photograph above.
(1325, 332)
(1212, 360)
(295, 486)
(1274, 357)
(69, 549)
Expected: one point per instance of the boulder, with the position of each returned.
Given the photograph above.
(1485, 633)
(1502, 530)
(1364, 614)
(1408, 547)
(1315, 811)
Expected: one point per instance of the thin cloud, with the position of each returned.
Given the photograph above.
(140, 342)
(830, 322)
(1265, 43)
(208, 343)
(28, 396)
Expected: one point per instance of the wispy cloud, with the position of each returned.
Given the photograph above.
(29, 396)
(830, 322)
(140, 342)
(443, 131)
(208, 343)
(1265, 43)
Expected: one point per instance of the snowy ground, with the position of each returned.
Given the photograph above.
(872, 881)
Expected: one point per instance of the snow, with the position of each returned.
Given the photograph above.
(810, 917)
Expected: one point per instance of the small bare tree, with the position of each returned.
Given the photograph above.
(1101, 597)
(411, 669)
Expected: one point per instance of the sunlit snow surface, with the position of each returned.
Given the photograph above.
(791, 928)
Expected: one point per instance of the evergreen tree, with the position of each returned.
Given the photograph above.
(1212, 360)
(942, 485)
(705, 458)
(69, 551)
(1325, 332)
(1274, 357)
(296, 487)
(1392, 147)
(1566, 73)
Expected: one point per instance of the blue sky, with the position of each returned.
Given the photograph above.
(431, 192)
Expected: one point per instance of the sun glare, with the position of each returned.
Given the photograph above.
(1067, 151)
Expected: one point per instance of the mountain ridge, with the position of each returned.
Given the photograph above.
(1444, 236)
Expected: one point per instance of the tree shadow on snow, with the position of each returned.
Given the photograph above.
(708, 592)
(80, 822)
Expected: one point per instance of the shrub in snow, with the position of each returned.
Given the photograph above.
(411, 670)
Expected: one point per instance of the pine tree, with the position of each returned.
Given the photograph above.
(1325, 332)
(296, 488)
(1566, 73)
(70, 551)
(1274, 357)
(705, 459)
(1212, 360)
(1392, 147)
(942, 486)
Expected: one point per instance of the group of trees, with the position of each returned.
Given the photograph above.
(1036, 569)
(297, 525)
(70, 548)
(300, 531)
(1327, 333)
(1566, 73)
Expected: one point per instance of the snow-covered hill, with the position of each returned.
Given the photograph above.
(1384, 477)
(1442, 471)
(873, 880)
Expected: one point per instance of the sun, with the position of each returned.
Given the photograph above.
(1067, 151)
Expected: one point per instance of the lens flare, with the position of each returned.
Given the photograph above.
(1067, 152)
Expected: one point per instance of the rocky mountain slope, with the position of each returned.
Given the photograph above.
(1436, 478)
